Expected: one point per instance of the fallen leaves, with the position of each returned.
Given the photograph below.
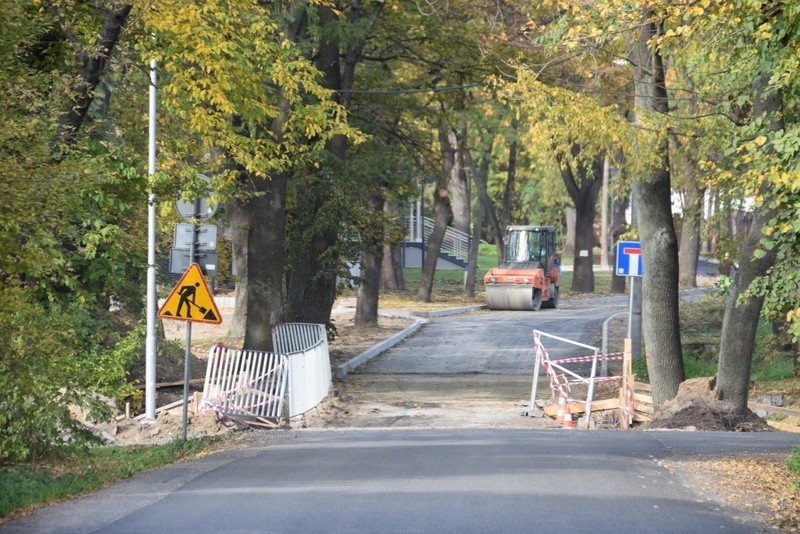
(761, 486)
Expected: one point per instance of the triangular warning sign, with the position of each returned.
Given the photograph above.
(191, 300)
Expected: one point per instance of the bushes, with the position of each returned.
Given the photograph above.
(54, 356)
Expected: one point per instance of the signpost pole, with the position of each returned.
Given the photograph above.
(150, 336)
(187, 364)
(635, 321)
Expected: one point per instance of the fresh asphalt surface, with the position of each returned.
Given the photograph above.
(422, 480)
(491, 342)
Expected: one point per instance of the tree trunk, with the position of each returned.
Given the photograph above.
(459, 184)
(508, 190)
(481, 185)
(569, 238)
(475, 242)
(441, 208)
(480, 177)
(583, 185)
(93, 68)
(312, 279)
(474, 246)
(265, 216)
(371, 258)
(652, 198)
(741, 318)
(392, 264)
(238, 228)
(689, 251)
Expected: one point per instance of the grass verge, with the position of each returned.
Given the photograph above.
(793, 463)
(77, 471)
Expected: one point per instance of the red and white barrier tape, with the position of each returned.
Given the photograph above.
(583, 359)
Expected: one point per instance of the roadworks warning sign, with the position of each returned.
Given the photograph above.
(191, 300)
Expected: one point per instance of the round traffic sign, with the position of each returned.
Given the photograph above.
(200, 208)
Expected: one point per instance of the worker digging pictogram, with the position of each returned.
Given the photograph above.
(191, 300)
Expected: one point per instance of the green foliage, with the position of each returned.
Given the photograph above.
(236, 95)
(68, 231)
(793, 463)
(77, 471)
(701, 325)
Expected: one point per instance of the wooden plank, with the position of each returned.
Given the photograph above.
(786, 427)
(645, 408)
(643, 387)
(574, 407)
(579, 407)
(642, 418)
(260, 424)
(641, 397)
(266, 422)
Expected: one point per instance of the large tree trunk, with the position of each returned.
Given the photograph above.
(441, 208)
(258, 237)
(265, 219)
(741, 318)
(653, 202)
(371, 258)
(237, 229)
(459, 184)
(311, 281)
(583, 185)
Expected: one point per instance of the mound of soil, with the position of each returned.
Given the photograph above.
(694, 411)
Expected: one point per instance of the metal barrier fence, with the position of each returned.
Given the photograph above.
(245, 382)
(561, 383)
(268, 385)
(306, 346)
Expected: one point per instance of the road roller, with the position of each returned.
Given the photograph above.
(530, 274)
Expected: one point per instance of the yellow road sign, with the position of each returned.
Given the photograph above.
(191, 300)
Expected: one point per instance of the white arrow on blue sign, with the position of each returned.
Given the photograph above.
(629, 258)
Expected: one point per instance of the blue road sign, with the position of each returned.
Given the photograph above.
(629, 258)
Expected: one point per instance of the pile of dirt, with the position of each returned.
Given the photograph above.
(168, 426)
(695, 411)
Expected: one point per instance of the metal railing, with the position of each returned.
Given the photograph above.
(306, 346)
(261, 384)
(455, 241)
(245, 382)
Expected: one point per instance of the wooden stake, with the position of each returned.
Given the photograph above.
(627, 382)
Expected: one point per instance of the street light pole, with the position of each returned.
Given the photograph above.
(151, 346)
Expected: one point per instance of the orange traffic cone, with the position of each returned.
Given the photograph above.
(562, 404)
(568, 422)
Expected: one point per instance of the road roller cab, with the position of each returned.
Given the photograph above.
(530, 275)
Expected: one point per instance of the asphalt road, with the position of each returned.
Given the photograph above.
(456, 481)
(496, 342)
(422, 480)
